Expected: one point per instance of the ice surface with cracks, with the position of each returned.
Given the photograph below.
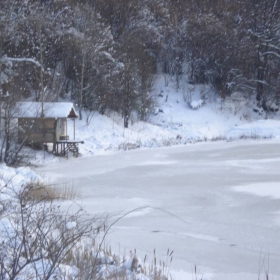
(193, 199)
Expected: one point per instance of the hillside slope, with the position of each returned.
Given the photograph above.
(175, 122)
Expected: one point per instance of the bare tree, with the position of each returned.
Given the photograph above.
(264, 35)
(10, 148)
(37, 236)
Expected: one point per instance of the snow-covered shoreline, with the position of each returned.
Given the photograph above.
(173, 122)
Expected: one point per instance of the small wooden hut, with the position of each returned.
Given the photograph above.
(40, 124)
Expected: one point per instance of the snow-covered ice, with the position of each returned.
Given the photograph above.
(269, 189)
(203, 201)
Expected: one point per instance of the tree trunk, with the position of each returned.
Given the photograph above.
(125, 118)
(82, 87)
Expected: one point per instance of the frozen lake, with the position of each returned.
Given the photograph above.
(217, 205)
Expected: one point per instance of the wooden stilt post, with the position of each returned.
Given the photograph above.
(55, 151)
(74, 130)
(66, 130)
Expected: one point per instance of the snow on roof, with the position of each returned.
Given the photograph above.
(51, 110)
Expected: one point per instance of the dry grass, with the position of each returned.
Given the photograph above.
(49, 192)
(159, 270)
(89, 260)
(93, 264)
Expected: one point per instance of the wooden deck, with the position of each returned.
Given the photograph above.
(63, 147)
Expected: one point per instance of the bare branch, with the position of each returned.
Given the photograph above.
(272, 53)
(22, 59)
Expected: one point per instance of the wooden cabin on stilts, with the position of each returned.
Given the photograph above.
(42, 125)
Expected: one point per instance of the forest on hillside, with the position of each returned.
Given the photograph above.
(104, 54)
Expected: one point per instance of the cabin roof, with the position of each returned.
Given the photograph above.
(51, 110)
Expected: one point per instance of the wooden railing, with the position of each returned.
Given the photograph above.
(65, 137)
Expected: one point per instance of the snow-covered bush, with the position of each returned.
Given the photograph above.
(196, 104)
(36, 235)
(238, 101)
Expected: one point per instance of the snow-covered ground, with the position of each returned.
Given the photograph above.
(216, 204)
(174, 122)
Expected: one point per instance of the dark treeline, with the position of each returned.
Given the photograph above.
(105, 53)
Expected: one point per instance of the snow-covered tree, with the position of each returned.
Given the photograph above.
(264, 33)
(89, 59)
